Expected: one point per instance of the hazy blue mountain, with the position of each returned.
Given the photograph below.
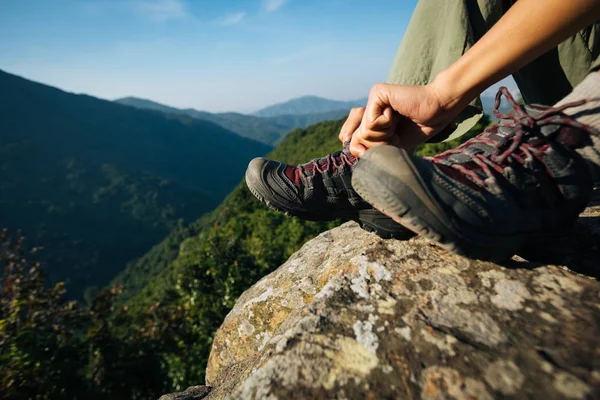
(147, 105)
(487, 100)
(308, 105)
(100, 183)
(273, 123)
(266, 130)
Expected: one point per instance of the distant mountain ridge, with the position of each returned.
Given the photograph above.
(488, 100)
(308, 105)
(268, 130)
(99, 183)
(271, 124)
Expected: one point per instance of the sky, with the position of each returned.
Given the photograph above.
(213, 55)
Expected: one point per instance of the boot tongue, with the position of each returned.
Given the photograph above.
(292, 174)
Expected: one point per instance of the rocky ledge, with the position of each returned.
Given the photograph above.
(352, 316)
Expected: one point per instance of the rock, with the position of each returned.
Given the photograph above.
(192, 393)
(353, 316)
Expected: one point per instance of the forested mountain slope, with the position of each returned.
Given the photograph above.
(269, 130)
(307, 105)
(99, 183)
(241, 218)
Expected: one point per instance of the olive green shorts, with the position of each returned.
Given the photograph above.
(439, 32)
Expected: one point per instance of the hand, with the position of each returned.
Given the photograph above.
(352, 123)
(403, 116)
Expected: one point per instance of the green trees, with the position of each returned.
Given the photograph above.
(53, 348)
(38, 329)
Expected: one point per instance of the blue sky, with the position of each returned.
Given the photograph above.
(215, 55)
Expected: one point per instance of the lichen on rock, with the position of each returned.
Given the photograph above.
(353, 316)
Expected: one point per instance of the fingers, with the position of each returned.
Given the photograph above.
(378, 114)
(375, 121)
(402, 116)
(364, 139)
(377, 124)
(356, 147)
(352, 123)
(380, 129)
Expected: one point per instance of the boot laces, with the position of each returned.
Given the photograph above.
(523, 126)
(330, 162)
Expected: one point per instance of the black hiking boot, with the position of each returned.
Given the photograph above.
(517, 184)
(319, 190)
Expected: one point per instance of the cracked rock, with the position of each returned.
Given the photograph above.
(352, 316)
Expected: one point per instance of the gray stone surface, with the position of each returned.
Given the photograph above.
(191, 393)
(351, 316)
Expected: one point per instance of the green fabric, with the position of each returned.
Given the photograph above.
(593, 41)
(439, 33)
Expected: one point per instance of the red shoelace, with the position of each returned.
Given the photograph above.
(523, 126)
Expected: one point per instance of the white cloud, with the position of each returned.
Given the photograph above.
(233, 19)
(273, 5)
(161, 10)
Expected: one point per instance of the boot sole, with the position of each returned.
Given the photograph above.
(408, 201)
(370, 220)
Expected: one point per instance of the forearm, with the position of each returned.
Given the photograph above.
(529, 29)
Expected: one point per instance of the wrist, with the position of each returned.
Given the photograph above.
(455, 88)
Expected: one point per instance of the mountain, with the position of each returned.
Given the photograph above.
(271, 124)
(99, 183)
(146, 104)
(266, 130)
(488, 100)
(309, 105)
(269, 235)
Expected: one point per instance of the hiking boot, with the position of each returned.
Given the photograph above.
(517, 184)
(319, 190)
